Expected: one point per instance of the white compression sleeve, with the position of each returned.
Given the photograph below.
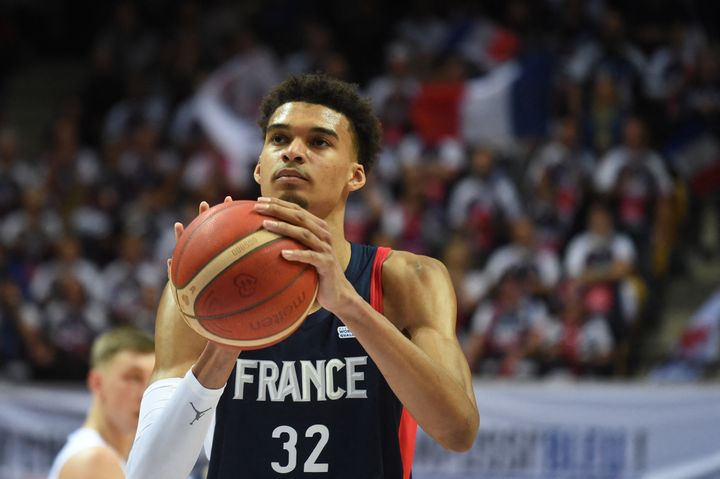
(175, 415)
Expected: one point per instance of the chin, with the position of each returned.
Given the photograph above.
(293, 197)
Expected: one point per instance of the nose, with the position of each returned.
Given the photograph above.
(295, 152)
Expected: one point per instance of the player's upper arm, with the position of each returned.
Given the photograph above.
(93, 463)
(420, 300)
(177, 347)
(418, 293)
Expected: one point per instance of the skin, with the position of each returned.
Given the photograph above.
(117, 387)
(414, 344)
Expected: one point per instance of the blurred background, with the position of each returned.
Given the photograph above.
(561, 157)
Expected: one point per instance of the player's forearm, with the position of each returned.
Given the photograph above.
(214, 366)
(430, 393)
(175, 415)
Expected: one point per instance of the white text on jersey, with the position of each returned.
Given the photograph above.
(275, 383)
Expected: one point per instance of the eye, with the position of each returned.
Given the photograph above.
(320, 142)
(277, 139)
(134, 378)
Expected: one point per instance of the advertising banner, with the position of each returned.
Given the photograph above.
(527, 431)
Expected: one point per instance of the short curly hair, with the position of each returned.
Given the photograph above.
(334, 94)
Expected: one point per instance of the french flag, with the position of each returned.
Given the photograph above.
(510, 102)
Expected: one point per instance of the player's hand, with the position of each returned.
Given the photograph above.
(215, 351)
(289, 219)
(179, 228)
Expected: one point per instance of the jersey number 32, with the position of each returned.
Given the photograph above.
(290, 446)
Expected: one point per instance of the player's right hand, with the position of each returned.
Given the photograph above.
(179, 228)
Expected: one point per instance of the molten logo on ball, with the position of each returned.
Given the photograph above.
(279, 315)
(245, 285)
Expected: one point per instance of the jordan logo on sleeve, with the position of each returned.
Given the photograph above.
(198, 414)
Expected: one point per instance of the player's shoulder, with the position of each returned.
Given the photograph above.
(410, 268)
(410, 282)
(96, 461)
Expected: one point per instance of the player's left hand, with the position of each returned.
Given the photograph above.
(289, 219)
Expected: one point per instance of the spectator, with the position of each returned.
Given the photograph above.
(671, 63)
(413, 223)
(257, 71)
(30, 232)
(317, 47)
(435, 111)
(483, 204)
(539, 269)
(143, 163)
(131, 46)
(68, 260)
(94, 223)
(23, 351)
(129, 280)
(71, 320)
(364, 211)
(637, 180)
(580, 344)
(694, 150)
(16, 175)
(140, 105)
(507, 331)
(71, 167)
(486, 45)
(600, 264)
(604, 115)
(469, 281)
(612, 55)
(702, 96)
(392, 93)
(205, 165)
(425, 31)
(558, 183)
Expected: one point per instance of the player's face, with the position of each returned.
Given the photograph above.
(123, 381)
(309, 157)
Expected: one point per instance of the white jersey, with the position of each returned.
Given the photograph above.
(80, 440)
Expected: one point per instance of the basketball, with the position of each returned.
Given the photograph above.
(231, 283)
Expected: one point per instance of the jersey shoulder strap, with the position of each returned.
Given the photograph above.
(407, 429)
(376, 296)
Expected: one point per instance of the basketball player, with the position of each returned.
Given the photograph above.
(341, 396)
(121, 362)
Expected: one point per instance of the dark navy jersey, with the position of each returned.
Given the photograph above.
(315, 404)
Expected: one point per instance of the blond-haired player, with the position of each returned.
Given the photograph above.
(121, 363)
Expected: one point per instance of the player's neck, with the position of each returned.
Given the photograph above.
(118, 440)
(336, 224)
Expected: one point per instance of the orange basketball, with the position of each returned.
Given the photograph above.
(231, 283)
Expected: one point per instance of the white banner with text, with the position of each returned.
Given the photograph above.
(527, 431)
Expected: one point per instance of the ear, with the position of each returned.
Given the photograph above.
(357, 178)
(94, 380)
(256, 173)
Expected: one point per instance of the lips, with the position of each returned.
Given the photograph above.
(289, 173)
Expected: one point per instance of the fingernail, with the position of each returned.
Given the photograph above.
(264, 199)
(270, 223)
(262, 206)
(287, 252)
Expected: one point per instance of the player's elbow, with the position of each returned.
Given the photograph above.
(462, 437)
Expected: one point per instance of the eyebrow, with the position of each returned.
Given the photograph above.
(315, 129)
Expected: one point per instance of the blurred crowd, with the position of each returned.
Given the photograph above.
(558, 156)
